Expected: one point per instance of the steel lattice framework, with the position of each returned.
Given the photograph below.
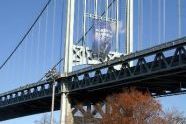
(157, 64)
(160, 70)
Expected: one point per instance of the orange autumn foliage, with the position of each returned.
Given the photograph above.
(133, 107)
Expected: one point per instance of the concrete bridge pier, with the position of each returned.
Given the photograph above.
(66, 111)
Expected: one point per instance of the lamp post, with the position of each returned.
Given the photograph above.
(51, 76)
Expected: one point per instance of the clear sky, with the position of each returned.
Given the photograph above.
(34, 58)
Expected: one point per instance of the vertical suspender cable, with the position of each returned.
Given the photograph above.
(113, 16)
(53, 31)
(151, 11)
(84, 31)
(45, 38)
(38, 46)
(31, 52)
(126, 18)
(78, 23)
(106, 13)
(96, 8)
(106, 10)
(117, 25)
(140, 23)
(84, 22)
(164, 19)
(159, 21)
(179, 18)
(95, 12)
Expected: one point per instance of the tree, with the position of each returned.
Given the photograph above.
(133, 107)
(129, 107)
(174, 116)
(136, 107)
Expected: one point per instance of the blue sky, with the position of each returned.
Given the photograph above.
(41, 48)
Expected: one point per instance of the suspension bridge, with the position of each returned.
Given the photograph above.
(140, 53)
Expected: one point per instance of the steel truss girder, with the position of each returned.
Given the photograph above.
(89, 111)
(100, 17)
(30, 93)
(32, 100)
(110, 74)
(83, 56)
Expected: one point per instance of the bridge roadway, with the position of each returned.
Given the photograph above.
(161, 70)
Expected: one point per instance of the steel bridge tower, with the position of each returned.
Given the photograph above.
(66, 116)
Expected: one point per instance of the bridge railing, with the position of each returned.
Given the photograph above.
(28, 92)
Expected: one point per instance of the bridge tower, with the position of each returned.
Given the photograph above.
(129, 27)
(66, 116)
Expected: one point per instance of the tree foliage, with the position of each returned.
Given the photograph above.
(174, 116)
(129, 107)
(135, 107)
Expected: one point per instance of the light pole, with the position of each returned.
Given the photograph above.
(53, 102)
(51, 77)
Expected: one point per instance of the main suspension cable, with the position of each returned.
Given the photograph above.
(26, 34)
(52, 68)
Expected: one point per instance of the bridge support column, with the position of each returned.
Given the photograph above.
(66, 111)
(129, 26)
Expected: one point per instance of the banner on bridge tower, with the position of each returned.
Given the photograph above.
(102, 39)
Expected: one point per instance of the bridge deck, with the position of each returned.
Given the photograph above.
(160, 69)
